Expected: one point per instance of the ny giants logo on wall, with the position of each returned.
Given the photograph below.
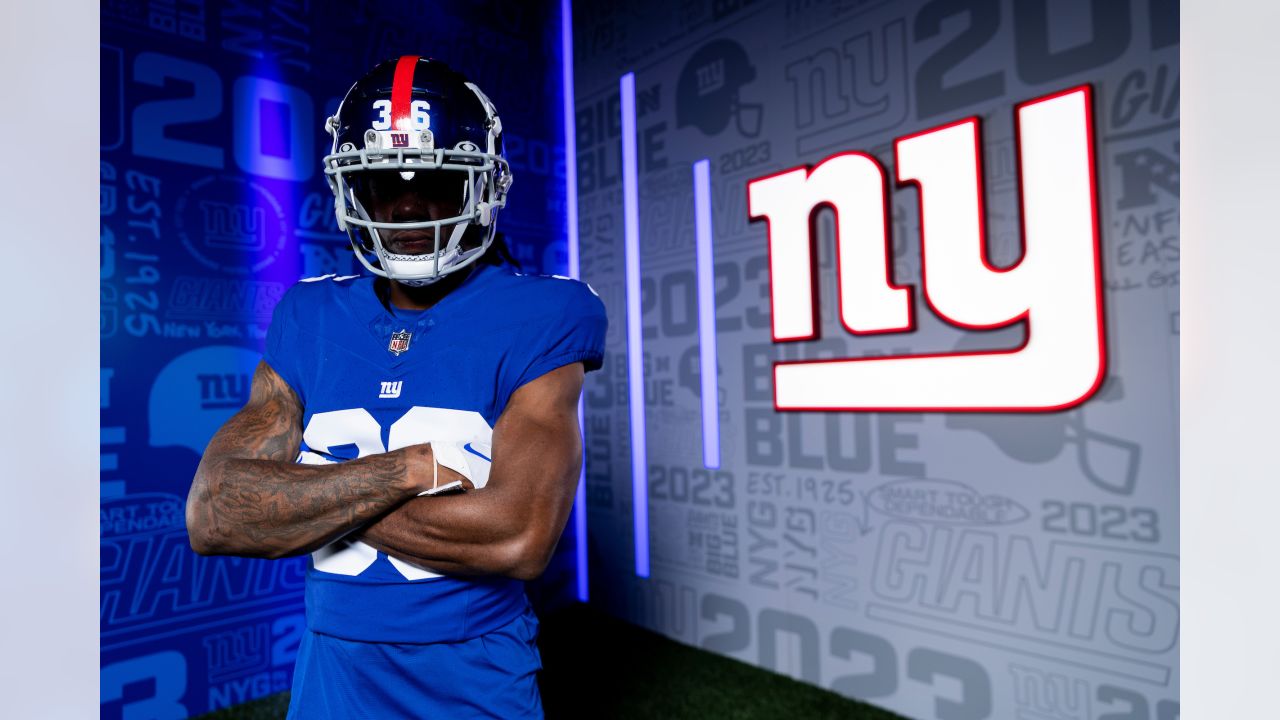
(1055, 288)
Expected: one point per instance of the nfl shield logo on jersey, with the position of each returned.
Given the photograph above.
(399, 341)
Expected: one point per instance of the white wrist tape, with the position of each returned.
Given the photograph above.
(473, 464)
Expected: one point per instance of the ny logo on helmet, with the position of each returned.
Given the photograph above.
(1055, 288)
(399, 140)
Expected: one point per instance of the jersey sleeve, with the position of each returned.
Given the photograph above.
(283, 342)
(571, 330)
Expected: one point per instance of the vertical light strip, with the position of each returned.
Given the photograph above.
(635, 351)
(571, 221)
(708, 363)
(570, 134)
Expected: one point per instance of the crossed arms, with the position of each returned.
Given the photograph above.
(249, 498)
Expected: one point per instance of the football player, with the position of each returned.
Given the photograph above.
(414, 429)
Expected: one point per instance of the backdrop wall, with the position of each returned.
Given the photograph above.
(212, 205)
(943, 565)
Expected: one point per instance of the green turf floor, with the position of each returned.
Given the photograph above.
(599, 667)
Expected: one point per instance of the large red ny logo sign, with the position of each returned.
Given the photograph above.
(1056, 287)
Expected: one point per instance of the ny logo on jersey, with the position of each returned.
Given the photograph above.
(391, 389)
(1055, 288)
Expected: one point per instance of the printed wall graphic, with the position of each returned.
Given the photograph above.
(196, 393)
(940, 564)
(709, 91)
(212, 205)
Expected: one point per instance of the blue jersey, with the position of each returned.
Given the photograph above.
(370, 381)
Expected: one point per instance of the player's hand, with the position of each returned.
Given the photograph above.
(427, 475)
(446, 476)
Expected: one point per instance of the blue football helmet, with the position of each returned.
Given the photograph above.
(417, 117)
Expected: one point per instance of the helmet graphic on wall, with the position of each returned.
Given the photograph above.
(1111, 463)
(196, 393)
(707, 94)
(418, 118)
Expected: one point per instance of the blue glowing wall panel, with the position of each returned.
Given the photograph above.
(212, 204)
(635, 344)
(708, 364)
(581, 564)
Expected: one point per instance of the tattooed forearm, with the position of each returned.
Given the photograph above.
(273, 509)
(249, 498)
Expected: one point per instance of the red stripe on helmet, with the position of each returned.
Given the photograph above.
(402, 92)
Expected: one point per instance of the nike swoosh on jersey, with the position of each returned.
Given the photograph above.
(475, 452)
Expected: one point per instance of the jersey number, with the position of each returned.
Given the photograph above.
(357, 426)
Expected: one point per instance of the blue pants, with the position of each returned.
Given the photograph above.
(491, 676)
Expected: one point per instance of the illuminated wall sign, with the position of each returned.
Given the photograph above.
(1056, 287)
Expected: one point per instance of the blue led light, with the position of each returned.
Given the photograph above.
(706, 314)
(635, 350)
(571, 221)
